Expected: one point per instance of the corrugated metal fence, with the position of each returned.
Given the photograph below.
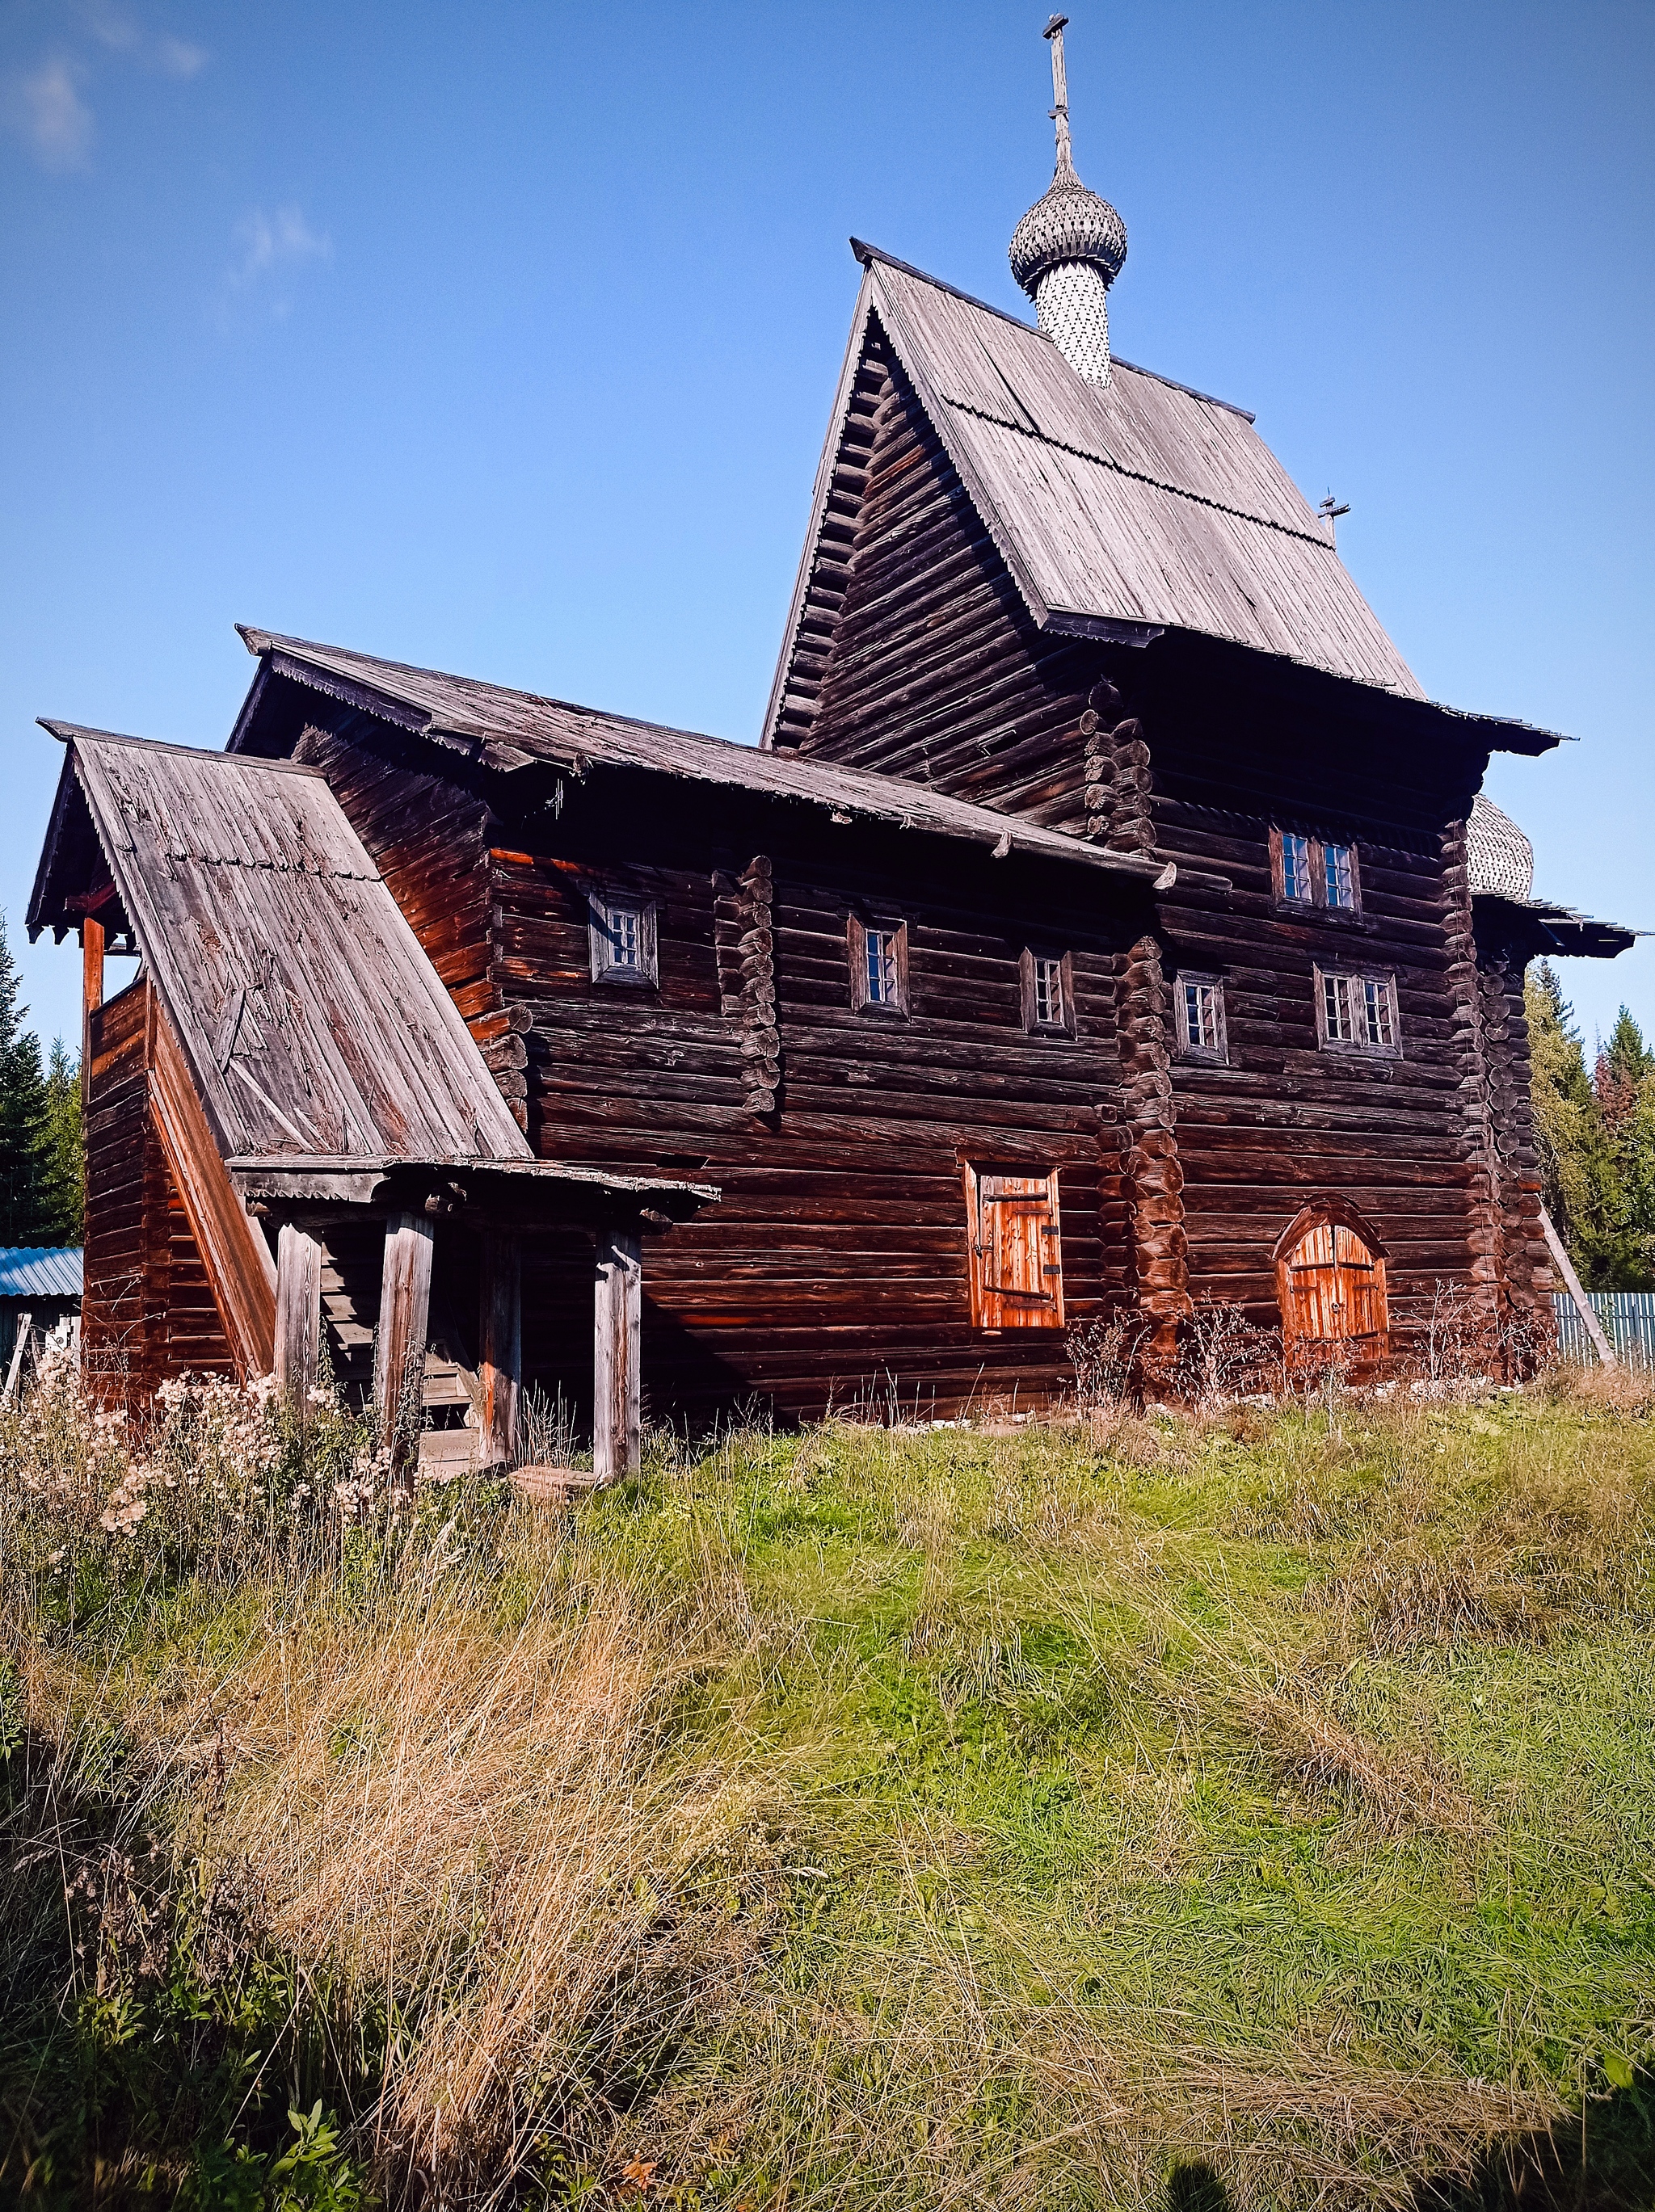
(1627, 1318)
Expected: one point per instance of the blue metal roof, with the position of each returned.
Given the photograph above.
(40, 1271)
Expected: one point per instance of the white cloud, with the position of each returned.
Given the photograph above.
(180, 58)
(270, 250)
(46, 107)
(110, 26)
(281, 241)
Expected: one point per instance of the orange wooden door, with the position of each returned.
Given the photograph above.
(1333, 1290)
(1017, 1262)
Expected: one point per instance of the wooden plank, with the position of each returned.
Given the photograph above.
(1583, 1304)
(298, 1314)
(92, 951)
(500, 1335)
(19, 1351)
(617, 1429)
(399, 1341)
(237, 1259)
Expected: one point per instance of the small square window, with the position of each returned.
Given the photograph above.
(1048, 993)
(878, 964)
(1357, 1013)
(1295, 867)
(1201, 1018)
(622, 939)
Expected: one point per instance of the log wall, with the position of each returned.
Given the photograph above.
(922, 664)
(836, 1264)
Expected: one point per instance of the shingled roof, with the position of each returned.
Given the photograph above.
(508, 730)
(1121, 512)
(311, 1019)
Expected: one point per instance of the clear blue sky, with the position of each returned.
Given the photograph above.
(503, 337)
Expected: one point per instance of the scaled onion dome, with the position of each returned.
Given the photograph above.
(1069, 224)
(1068, 248)
(1499, 857)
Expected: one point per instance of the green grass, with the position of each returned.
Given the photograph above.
(1255, 1810)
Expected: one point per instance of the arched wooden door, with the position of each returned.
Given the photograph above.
(1331, 1282)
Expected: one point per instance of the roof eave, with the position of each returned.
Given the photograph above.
(1548, 927)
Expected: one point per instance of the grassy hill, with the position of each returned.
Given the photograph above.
(1251, 1810)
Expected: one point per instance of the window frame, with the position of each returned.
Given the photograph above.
(1362, 1048)
(1208, 1055)
(1064, 964)
(1316, 900)
(856, 935)
(600, 905)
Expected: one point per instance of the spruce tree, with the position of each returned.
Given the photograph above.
(65, 1149)
(1584, 1192)
(1624, 1082)
(1623, 1065)
(23, 1204)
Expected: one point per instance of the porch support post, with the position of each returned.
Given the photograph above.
(298, 1314)
(399, 1340)
(616, 1423)
(501, 1356)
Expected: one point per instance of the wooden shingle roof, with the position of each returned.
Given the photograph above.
(507, 730)
(1121, 512)
(312, 1019)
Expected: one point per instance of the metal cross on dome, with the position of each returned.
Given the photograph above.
(1060, 93)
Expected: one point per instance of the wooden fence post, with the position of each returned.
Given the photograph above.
(616, 1425)
(501, 1349)
(399, 1340)
(298, 1314)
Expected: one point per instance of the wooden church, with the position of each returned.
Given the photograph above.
(1106, 925)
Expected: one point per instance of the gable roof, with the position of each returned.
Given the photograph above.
(1120, 512)
(508, 730)
(309, 1014)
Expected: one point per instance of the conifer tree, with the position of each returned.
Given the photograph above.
(65, 1149)
(23, 1204)
(1581, 1188)
(1624, 1082)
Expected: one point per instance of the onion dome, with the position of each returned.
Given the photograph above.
(1499, 857)
(1069, 224)
(1068, 248)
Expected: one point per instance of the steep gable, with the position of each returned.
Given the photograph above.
(1117, 516)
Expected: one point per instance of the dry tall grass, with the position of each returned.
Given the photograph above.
(851, 1819)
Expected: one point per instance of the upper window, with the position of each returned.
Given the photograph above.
(878, 964)
(1201, 1018)
(1296, 882)
(1310, 871)
(1048, 991)
(1357, 1013)
(1339, 875)
(623, 935)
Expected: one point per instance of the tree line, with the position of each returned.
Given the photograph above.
(42, 1143)
(1594, 1132)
